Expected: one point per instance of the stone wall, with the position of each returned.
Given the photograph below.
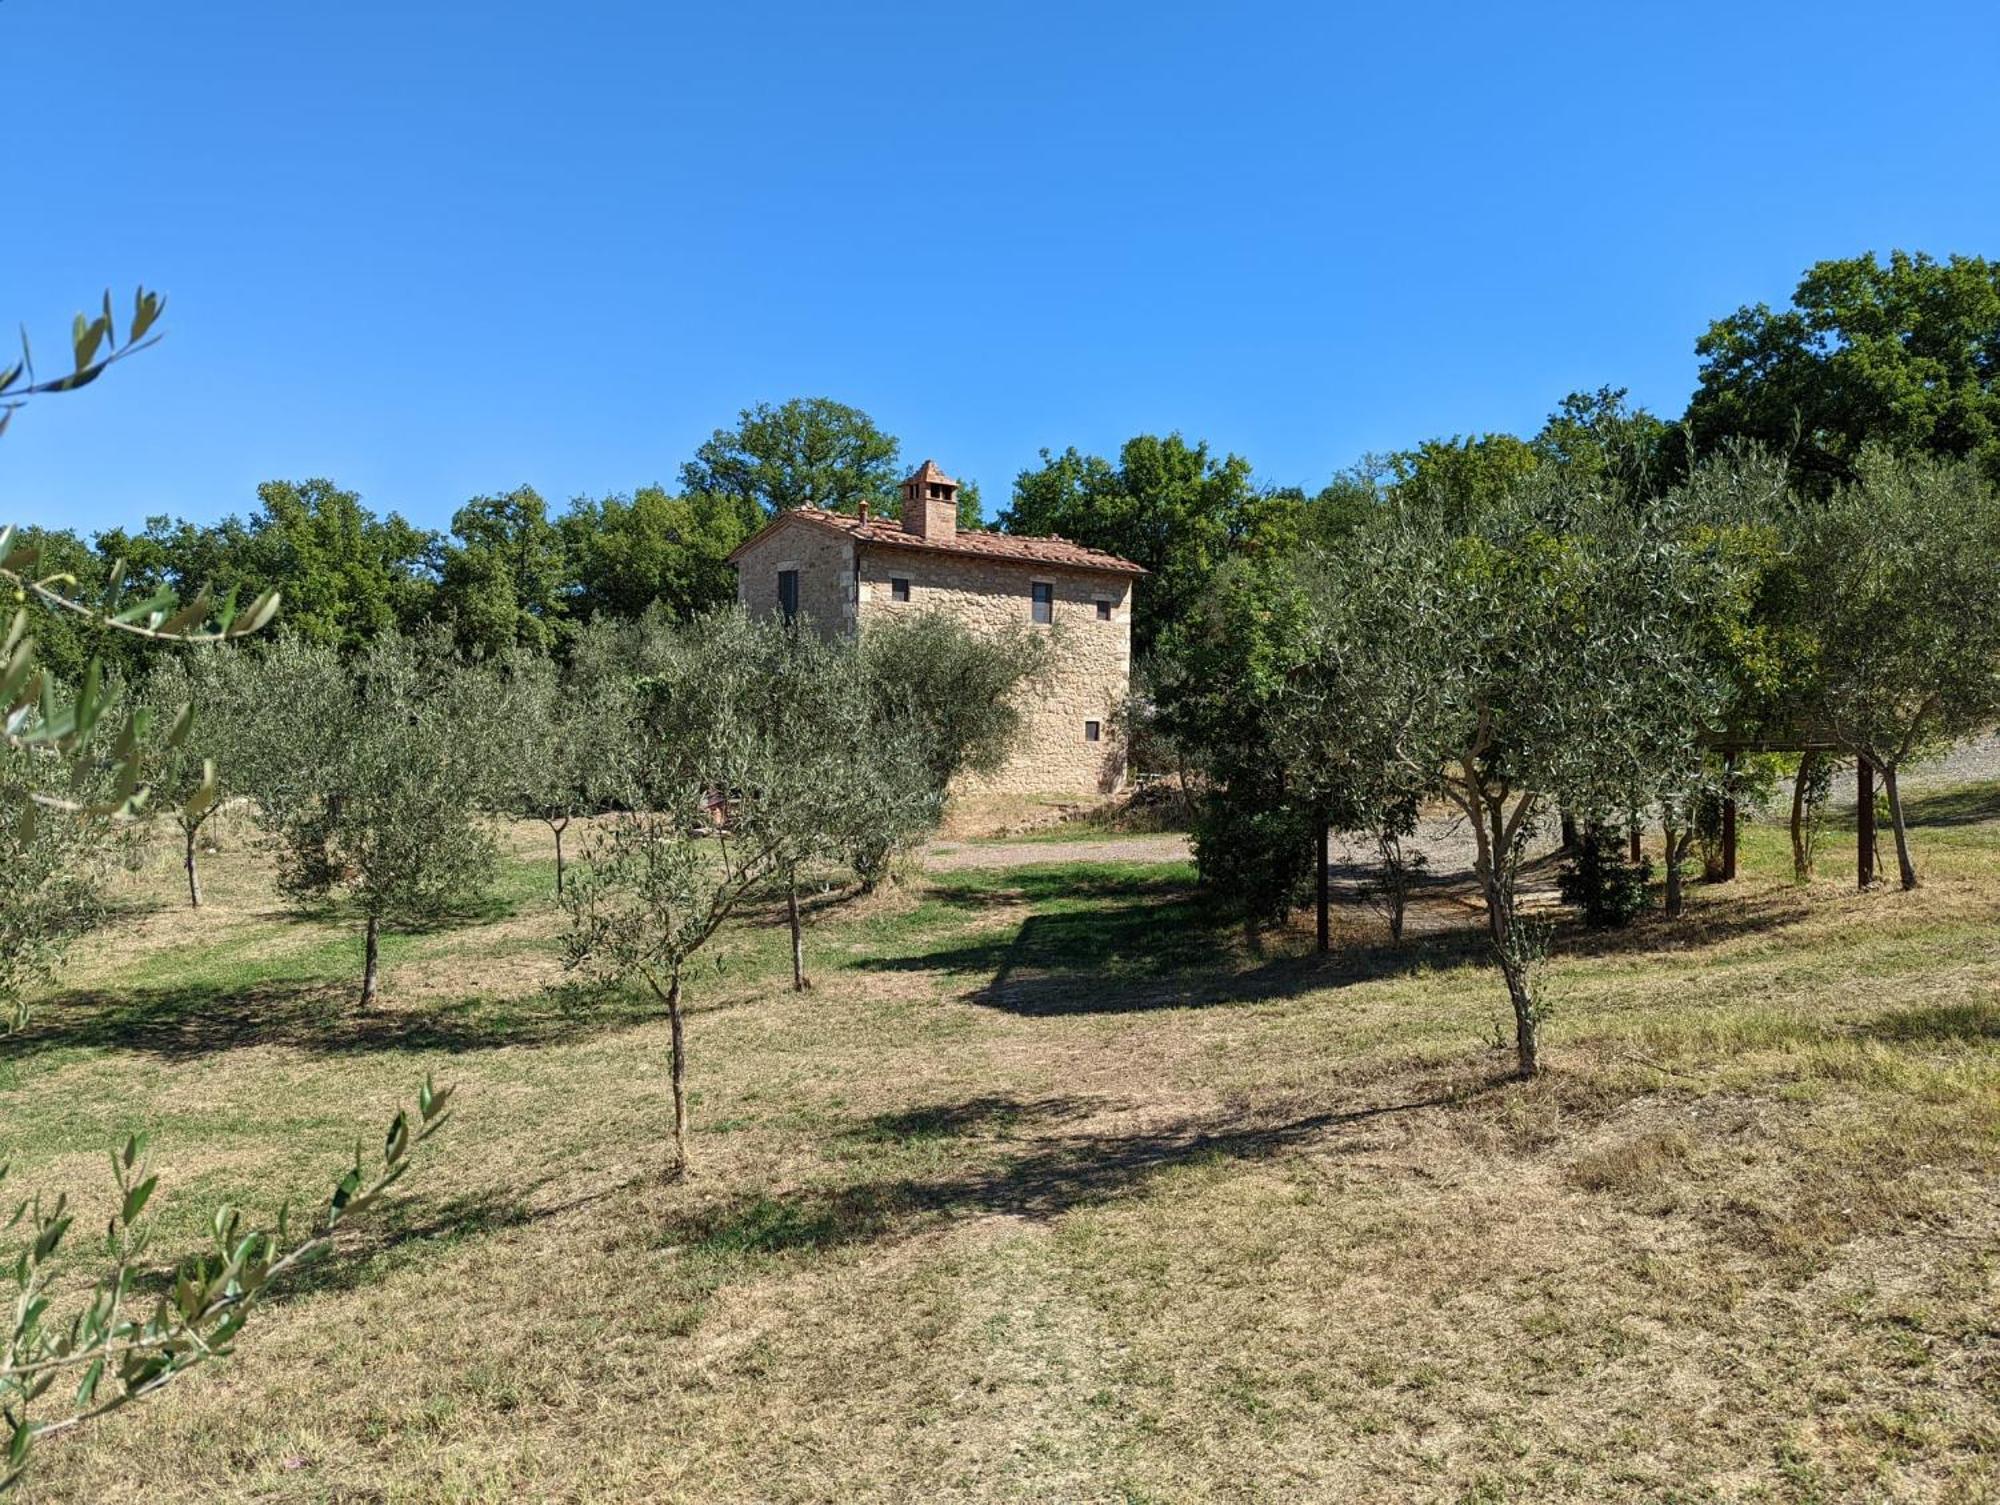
(824, 560)
(1092, 658)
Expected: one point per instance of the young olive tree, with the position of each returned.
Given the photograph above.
(948, 699)
(186, 763)
(371, 778)
(1906, 610)
(50, 861)
(565, 743)
(1534, 656)
(759, 759)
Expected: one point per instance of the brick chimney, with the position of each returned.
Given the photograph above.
(930, 503)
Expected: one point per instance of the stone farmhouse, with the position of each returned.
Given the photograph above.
(839, 573)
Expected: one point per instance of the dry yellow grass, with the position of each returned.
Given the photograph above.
(1050, 1190)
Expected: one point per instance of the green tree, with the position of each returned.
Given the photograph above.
(501, 577)
(948, 700)
(1168, 505)
(67, 642)
(1460, 479)
(1255, 826)
(347, 576)
(1899, 353)
(185, 760)
(808, 452)
(1541, 653)
(1597, 435)
(50, 865)
(373, 781)
(1905, 569)
(627, 554)
(761, 758)
(565, 742)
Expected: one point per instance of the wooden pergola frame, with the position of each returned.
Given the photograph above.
(1804, 740)
(1731, 746)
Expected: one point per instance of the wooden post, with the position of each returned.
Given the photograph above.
(1729, 819)
(1324, 935)
(1864, 823)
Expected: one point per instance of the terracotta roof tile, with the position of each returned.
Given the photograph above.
(978, 543)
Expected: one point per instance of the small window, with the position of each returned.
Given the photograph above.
(899, 590)
(788, 593)
(1103, 611)
(1044, 601)
(1093, 731)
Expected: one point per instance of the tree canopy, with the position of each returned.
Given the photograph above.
(808, 452)
(1903, 352)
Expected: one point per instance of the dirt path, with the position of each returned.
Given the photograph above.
(946, 856)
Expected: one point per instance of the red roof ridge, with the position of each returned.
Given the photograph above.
(977, 543)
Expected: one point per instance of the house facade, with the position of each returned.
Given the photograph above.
(839, 573)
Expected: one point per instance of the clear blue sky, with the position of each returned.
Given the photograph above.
(433, 249)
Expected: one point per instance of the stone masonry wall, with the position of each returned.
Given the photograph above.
(825, 562)
(1091, 669)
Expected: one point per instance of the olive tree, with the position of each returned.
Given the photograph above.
(779, 724)
(1905, 606)
(948, 699)
(564, 743)
(1537, 655)
(759, 758)
(49, 865)
(185, 763)
(371, 777)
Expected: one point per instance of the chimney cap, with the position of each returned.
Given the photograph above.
(929, 473)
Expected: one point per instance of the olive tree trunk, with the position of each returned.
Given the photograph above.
(1802, 857)
(188, 835)
(678, 1069)
(558, 828)
(1679, 841)
(1497, 837)
(798, 934)
(371, 967)
(1904, 866)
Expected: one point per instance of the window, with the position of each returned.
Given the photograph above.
(1093, 731)
(788, 593)
(1044, 601)
(1103, 611)
(899, 590)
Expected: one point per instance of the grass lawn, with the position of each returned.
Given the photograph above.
(1052, 1188)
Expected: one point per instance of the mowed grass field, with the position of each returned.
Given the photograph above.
(1054, 1189)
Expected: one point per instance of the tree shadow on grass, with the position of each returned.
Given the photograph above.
(1967, 805)
(993, 1115)
(1058, 1173)
(192, 1021)
(1951, 1023)
(402, 1230)
(1714, 917)
(1098, 942)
